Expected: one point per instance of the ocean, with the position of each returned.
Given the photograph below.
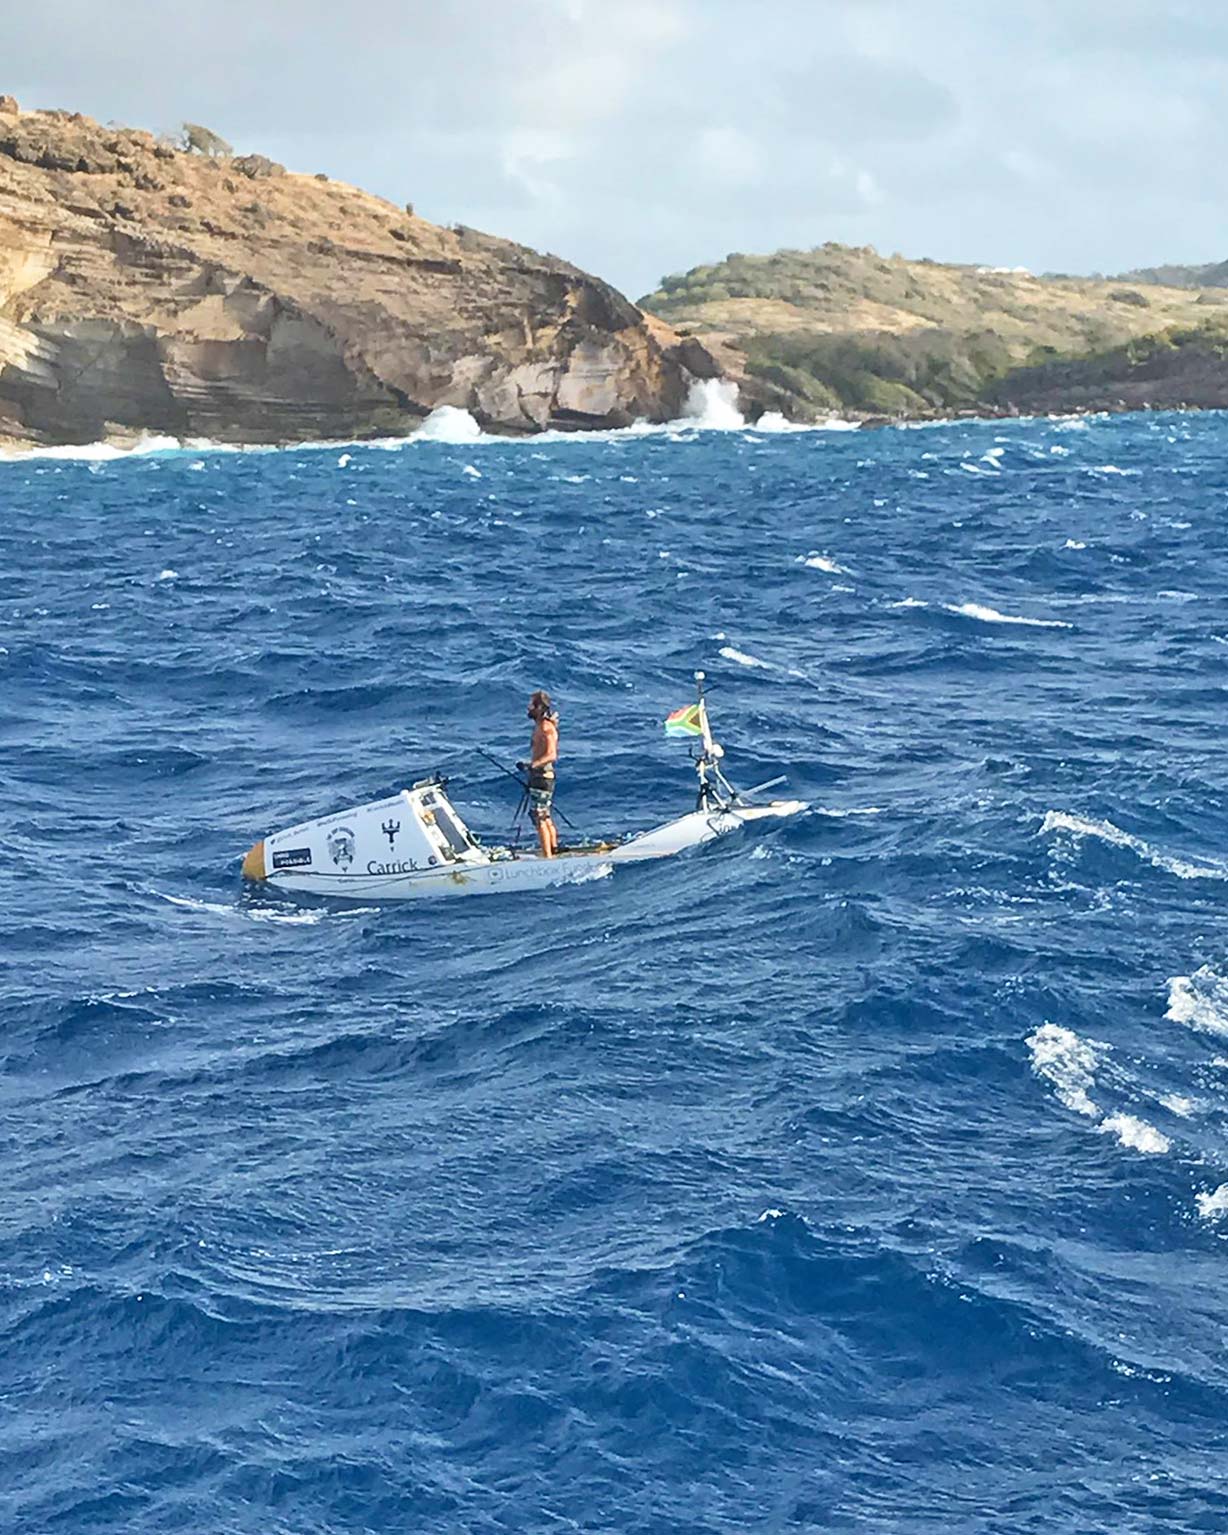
(861, 1172)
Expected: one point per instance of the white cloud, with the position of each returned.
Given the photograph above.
(651, 135)
(727, 156)
(525, 154)
(868, 189)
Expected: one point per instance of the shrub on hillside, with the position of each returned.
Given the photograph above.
(203, 141)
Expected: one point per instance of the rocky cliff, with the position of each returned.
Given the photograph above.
(143, 288)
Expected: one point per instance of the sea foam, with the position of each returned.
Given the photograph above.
(1135, 1134)
(448, 423)
(986, 615)
(712, 406)
(1068, 1064)
(1199, 1001)
(1105, 831)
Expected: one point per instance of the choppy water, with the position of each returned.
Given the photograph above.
(867, 1174)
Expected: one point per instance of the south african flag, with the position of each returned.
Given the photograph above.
(684, 722)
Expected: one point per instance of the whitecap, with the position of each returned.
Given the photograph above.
(1176, 1104)
(909, 602)
(1136, 1134)
(472, 472)
(345, 460)
(1105, 831)
(1068, 1064)
(168, 575)
(840, 814)
(1214, 1204)
(1073, 543)
(991, 616)
(743, 659)
(816, 561)
(1199, 1001)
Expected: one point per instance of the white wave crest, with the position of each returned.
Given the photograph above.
(1211, 1206)
(98, 452)
(1199, 1001)
(743, 659)
(773, 421)
(1136, 1134)
(1105, 831)
(1068, 1064)
(816, 561)
(992, 616)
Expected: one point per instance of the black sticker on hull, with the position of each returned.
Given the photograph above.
(293, 858)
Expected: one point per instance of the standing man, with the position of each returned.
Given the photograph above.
(543, 754)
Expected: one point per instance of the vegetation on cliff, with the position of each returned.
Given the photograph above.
(841, 329)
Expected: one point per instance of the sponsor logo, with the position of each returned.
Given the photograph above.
(293, 858)
(390, 829)
(402, 866)
(341, 846)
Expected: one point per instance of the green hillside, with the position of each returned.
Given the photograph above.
(844, 329)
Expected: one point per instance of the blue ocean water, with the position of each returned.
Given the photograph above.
(865, 1173)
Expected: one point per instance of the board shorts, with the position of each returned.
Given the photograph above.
(541, 796)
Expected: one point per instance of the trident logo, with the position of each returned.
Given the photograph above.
(390, 829)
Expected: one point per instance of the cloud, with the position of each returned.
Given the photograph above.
(727, 157)
(658, 134)
(525, 155)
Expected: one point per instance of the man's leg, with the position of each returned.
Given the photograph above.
(542, 822)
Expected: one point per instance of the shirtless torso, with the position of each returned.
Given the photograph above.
(543, 754)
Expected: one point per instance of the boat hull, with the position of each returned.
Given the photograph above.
(500, 871)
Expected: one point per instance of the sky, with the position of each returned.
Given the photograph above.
(641, 137)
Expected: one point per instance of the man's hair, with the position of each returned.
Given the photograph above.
(543, 698)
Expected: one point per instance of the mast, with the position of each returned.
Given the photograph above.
(719, 792)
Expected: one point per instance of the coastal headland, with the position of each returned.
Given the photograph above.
(149, 288)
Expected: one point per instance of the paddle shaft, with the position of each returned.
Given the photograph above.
(494, 761)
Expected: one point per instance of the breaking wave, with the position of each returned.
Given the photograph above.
(1105, 831)
(987, 615)
(1199, 1001)
(1068, 1064)
(712, 406)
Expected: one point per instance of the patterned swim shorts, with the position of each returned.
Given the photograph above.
(541, 796)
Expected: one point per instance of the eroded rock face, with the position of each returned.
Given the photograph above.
(142, 288)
